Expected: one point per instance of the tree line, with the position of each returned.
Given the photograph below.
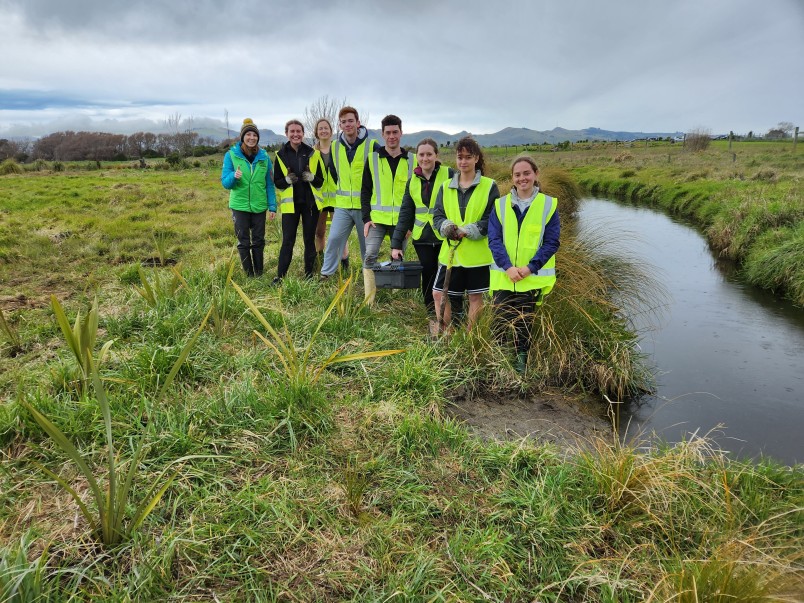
(102, 146)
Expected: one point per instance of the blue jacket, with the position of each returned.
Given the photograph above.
(228, 171)
(550, 241)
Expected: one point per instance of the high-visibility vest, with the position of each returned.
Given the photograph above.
(285, 196)
(251, 197)
(350, 175)
(469, 254)
(388, 190)
(424, 214)
(522, 242)
(324, 196)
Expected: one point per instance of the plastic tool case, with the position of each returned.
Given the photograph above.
(397, 275)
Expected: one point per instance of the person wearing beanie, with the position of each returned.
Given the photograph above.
(248, 176)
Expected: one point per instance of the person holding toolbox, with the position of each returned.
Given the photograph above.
(461, 215)
(416, 218)
(524, 231)
(385, 178)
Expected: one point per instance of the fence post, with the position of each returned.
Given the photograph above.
(795, 139)
(731, 137)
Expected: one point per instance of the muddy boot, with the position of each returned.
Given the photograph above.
(369, 286)
(521, 362)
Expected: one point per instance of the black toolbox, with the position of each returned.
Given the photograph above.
(397, 275)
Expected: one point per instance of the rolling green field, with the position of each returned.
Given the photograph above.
(221, 451)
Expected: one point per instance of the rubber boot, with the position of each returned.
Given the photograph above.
(521, 362)
(345, 266)
(369, 286)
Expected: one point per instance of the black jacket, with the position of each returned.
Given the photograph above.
(407, 213)
(298, 162)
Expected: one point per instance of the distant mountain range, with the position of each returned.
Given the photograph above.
(506, 136)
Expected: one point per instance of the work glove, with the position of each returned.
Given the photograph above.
(452, 232)
(307, 176)
(291, 178)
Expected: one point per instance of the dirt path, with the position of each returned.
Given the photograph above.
(547, 417)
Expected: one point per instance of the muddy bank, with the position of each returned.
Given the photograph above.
(549, 416)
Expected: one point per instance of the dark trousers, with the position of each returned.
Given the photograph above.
(290, 225)
(514, 317)
(250, 232)
(428, 258)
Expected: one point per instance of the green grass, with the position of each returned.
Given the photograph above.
(356, 485)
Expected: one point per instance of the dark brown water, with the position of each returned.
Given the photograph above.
(725, 353)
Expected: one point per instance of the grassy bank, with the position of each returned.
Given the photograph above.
(748, 201)
(286, 483)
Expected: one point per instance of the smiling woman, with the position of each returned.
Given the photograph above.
(247, 175)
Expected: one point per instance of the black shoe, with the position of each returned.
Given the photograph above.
(345, 264)
(277, 280)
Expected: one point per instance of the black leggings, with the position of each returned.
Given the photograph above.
(428, 258)
(290, 225)
(514, 315)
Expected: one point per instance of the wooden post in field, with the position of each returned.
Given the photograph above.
(795, 139)
(731, 137)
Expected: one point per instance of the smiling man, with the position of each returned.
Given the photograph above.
(349, 153)
(385, 175)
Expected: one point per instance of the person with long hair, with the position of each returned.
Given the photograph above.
(524, 231)
(247, 175)
(325, 196)
(461, 218)
(295, 180)
(416, 219)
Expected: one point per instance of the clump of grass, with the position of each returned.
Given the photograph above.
(22, 581)
(161, 288)
(9, 166)
(11, 337)
(560, 183)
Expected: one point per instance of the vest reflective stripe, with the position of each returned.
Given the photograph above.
(469, 254)
(324, 196)
(285, 196)
(252, 197)
(350, 180)
(424, 214)
(522, 242)
(387, 192)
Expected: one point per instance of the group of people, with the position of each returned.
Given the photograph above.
(469, 240)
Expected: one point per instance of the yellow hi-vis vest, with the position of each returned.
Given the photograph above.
(469, 254)
(324, 196)
(522, 243)
(284, 196)
(388, 190)
(424, 214)
(350, 175)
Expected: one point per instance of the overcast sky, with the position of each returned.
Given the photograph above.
(632, 65)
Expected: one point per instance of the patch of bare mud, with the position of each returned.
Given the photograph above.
(550, 416)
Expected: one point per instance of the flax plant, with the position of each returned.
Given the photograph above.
(80, 338)
(299, 367)
(108, 524)
(161, 288)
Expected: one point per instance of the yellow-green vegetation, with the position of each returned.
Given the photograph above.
(249, 465)
(748, 201)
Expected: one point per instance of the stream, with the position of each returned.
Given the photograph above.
(728, 357)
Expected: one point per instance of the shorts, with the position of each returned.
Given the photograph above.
(463, 280)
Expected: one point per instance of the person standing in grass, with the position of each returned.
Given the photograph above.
(246, 174)
(325, 196)
(349, 153)
(295, 182)
(461, 217)
(524, 231)
(385, 177)
(416, 219)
